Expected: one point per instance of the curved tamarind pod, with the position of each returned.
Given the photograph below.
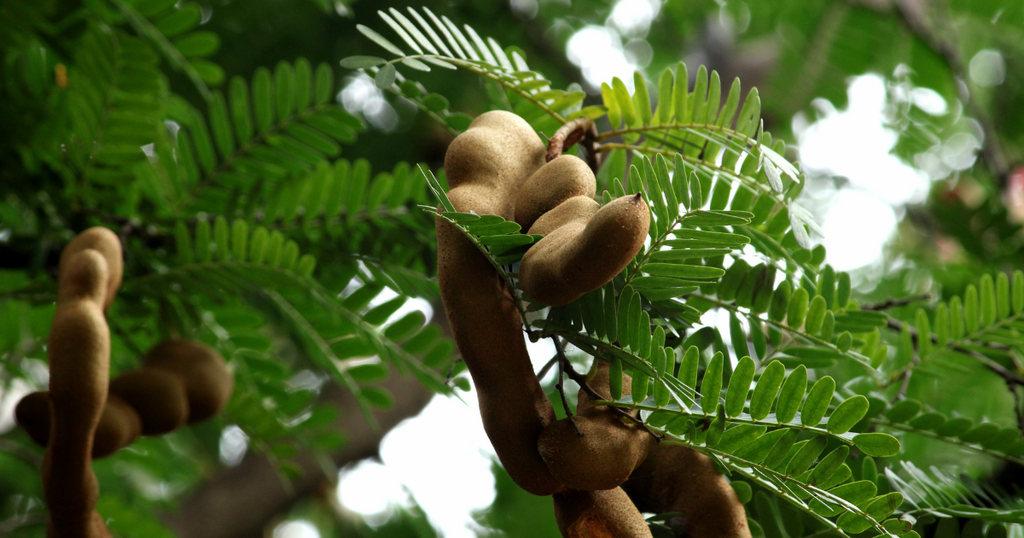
(583, 247)
(602, 458)
(486, 166)
(118, 427)
(598, 514)
(207, 380)
(158, 397)
(607, 452)
(79, 355)
(489, 163)
(674, 478)
(564, 177)
(108, 245)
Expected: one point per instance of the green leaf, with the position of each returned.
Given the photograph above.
(847, 414)
(718, 218)
(739, 386)
(791, 395)
(903, 411)
(817, 401)
(808, 453)
(377, 397)
(380, 40)
(367, 373)
(701, 272)
(1018, 291)
(815, 315)
(797, 308)
(766, 389)
(385, 77)
(828, 466)
(360, 62)
(711, 385)
(877, 444)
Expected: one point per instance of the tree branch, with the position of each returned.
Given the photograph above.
(240, 501)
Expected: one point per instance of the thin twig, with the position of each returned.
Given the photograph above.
(580, 130)
(547, 367)
(560, 383)
(24, 520)
(21, 452)
(890, 303)
(1016, 406)
(581, 380)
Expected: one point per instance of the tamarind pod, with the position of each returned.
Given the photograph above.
(79, 353)
(598, 514)
(564, 177)
(33, 414)
(675, 478)
(108, 245)
(583, 247)
(158, 397)
(600, 382)
(118, 427)
(607, 452)
(485, 166)
(602, 458)
(490, 162)
(207, 380)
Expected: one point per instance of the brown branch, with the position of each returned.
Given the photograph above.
(943, 41)
(240, 501)
(580, 130)
(581, 380)
(563, 363)
(890, 303)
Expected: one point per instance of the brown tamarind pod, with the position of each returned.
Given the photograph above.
(79, 353)
(675, 478)
(33, 414)
(207, 380)
(118, 427)
(564, 177)
(584, 247)
(602, 458)
(607, 452)
(158, 397)
(108, 245)
(486, 166)
(598, 514)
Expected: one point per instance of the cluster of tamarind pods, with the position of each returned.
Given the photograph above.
(85, 415)
(600, 469)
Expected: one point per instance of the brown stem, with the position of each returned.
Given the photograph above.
(580, 130)
(560, 384)
(890, 303)
(942, 40)
(581, 380)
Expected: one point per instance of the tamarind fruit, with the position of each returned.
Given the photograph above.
(598, 514)
(181, 381)
(607, 452)
(108, 245)
(584, 245)
(85, 415)
(486, 166)
(675, 478)
(79, 354)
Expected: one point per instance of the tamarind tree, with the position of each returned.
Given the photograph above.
(215, 217)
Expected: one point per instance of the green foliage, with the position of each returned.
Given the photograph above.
(244, 227)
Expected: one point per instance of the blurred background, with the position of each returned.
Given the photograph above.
(907, 116)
